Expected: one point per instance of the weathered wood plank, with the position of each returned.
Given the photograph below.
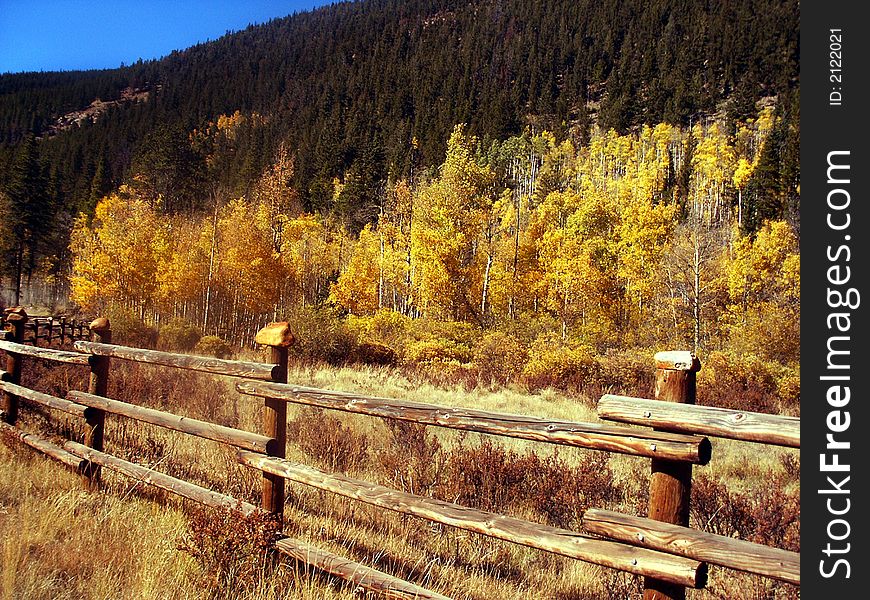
(356, 573)
(597, 436)
(16, 319)
(203, 429)
(677, 360)
(707, 420)
(61, 404)
(207, 364)
(683, 541)
(38, 443)
(670, 484)
(639, 561)
(73, 358)
(161, 480)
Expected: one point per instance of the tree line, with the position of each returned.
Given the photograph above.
(667, 235)
(370, 91)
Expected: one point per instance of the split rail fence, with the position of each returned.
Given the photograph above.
(660, 547)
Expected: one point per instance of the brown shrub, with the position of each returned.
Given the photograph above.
(741, 382)
(412, 459)
(372, 353)
(326, 439)
(499, 357)
(233, 551)
(491, 478)
(768, 515)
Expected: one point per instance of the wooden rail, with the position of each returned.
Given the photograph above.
(740, 555)
(707, 420)
(161, 480)
(47, 400)
(596, 436)
(203, 429)
(661, 548)
(207, 364)
(46, 447)
(63, 356)
(558, 541)
(361, 575)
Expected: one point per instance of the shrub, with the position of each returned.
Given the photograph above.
(325, 438)
(494, 479)
(627, 372)
(768, 514)
(130, 330)
(179, 334)
(499, 357)
(233, 551)
(553, 363)
(742, 382)
(321, 336)
(412, 459)
(385, 327)
(212, 345)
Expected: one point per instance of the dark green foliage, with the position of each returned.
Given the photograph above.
(27, 214)
(350, 85)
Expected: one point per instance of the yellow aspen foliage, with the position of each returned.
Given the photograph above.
(450, 217)
(357, 287)
(249, 269)
(762, 278)
(118, 257)
(310, 257)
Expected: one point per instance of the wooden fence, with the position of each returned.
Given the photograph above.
(660, 547)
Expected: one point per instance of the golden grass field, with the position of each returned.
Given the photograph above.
(60, 541)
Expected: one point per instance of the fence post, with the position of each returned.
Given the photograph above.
(16, 319)
(50, 331)
(62, 331)
(101, 331)
(671, 481)
(278, 338)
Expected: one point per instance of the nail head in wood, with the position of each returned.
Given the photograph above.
(680, 360)
(277, 335)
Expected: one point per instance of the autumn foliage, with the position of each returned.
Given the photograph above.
(525, 260)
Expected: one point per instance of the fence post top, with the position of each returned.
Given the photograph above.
(15, 313)
(277, 335)
(99, 325)
(677, 360)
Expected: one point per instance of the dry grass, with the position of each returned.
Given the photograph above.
(46, 515)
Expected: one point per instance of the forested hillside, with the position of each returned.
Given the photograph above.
(483, 162)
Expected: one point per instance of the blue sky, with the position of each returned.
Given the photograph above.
(52, 35)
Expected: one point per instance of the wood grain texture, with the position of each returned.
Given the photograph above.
(677, 570)
(16, 319)
(207, 364)
(46, 447)
(67, 406)
(670, 484)
(678, 360)
(63, 356)
(361, 575)
(706, 420)
(624, 440)
(203, 429)
(683, 541)
(161, 480)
